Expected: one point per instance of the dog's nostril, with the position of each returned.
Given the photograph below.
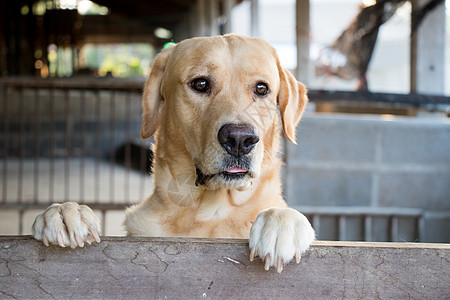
(251, 141)
(237, 139)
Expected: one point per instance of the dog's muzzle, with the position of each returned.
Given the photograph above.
(238, 140)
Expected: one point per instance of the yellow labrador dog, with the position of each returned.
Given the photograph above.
(212, 104)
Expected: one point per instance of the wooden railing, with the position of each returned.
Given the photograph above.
(157, 268)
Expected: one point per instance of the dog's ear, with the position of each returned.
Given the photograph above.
(292, 100)
(152, 94)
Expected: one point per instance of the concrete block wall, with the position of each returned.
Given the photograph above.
(373, 161)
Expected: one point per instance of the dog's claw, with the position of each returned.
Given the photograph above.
(60, 240)
(95, 235)
(79, 240)
(252, 254)
(51, 227)
(279, 265)
(267, 262)
(298, 257)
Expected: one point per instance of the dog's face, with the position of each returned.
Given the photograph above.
(217, 98)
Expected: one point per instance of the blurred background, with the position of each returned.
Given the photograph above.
(373, 160)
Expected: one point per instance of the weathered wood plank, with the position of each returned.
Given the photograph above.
(157, 268)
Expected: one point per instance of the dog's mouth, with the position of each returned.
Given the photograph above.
(234, 173)
(230, 174)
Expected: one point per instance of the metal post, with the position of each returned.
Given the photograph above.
(427, 53)
(6, 143)
(303, 32)
(227, 9)
(213, 15)
(201, 18)
(254, 11)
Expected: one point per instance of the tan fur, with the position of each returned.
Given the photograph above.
(186, 125)
(230, 60)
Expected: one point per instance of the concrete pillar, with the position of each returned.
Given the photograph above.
(428, 50)
(303, 34)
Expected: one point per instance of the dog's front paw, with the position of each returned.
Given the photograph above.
(278, 235)
(67, 224)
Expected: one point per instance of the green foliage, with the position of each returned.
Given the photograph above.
(122, 60)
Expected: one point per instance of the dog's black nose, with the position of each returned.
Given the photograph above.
(237, 139)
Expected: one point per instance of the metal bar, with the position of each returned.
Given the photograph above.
(368, 97)
(74, 84)
(43, 205)
(342, 228)
(103, 225)
(21, 212)
(394, 229)
(67, 146)
(117, 206)
(227, 7)
(357, 211)
(21, 145)
(136, 86)
(421, 229)
(254, 18)
(316, 223)
(52, 145)
(303, 40)
(97, 145)
(128, 146)
(112, 157)
(83, 143)
(367, 228)
(6, 143)
(37, 125)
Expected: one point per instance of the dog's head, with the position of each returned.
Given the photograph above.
(216, 100)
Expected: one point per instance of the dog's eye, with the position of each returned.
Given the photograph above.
(200, 85)
(261, 89)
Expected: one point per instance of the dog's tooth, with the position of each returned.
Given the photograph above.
(279, 265)
(267, 262)
(252, 254)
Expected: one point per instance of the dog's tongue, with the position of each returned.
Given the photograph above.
(236, 169)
